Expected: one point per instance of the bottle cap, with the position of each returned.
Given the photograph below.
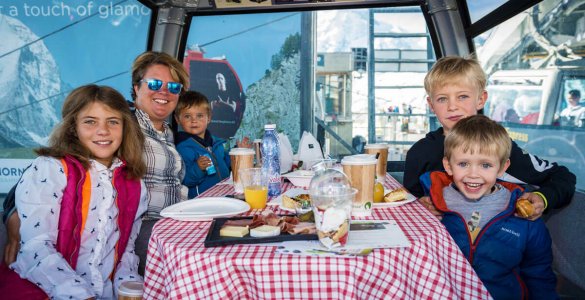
(270, 126)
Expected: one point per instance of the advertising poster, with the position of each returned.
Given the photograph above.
(217, 80)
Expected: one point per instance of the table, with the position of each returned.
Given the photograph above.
(180, 267)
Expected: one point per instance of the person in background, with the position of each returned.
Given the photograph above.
(574, 113)
(80, 204)
(223, 97)
(456, 89)
(478, 212)
(197, 146)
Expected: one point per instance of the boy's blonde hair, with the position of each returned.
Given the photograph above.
(190, 99)
(454, 69)
(479, 133)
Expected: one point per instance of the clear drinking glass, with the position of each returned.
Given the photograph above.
(255, 187)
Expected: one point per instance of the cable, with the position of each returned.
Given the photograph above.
(59, 94)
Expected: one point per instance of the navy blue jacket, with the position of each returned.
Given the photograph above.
(512, 256)
(190, 150)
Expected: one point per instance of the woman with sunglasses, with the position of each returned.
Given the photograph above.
(157, 81)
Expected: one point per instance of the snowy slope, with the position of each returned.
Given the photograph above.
(30, 79)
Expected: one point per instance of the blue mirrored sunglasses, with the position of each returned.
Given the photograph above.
(156, 84)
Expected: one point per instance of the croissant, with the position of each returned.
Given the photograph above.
(524, 208)
(399, 194)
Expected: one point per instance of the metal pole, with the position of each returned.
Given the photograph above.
(371, 81)
(307, 71)
(168, 31)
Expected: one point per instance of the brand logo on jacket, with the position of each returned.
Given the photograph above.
(511, 231)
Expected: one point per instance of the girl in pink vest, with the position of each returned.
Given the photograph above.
(80, 204)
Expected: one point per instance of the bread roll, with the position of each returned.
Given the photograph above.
(396, 195)
(524, 208)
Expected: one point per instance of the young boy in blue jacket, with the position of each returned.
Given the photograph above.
(456, 89)
(197, 146)
(511, 255)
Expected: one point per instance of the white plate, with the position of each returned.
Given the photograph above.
(205, 209)
(291, 193)
(409, 198)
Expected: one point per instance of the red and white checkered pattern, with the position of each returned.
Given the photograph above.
(179, 266)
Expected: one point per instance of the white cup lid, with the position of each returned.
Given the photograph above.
(376, 146)
(242, 151)
(130, 288)
(359, 159)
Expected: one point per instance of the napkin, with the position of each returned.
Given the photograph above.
(309, 150)
(286, 153)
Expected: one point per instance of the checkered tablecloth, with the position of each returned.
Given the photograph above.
(180, 267)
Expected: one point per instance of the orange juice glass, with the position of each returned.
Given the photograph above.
(255, 187)
(256, 196)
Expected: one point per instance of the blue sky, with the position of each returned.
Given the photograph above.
(84, 51)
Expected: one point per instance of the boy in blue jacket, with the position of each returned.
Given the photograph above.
(511, 255)
(197, 146)
(456, 89)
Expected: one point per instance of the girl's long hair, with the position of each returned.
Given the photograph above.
(64, 139)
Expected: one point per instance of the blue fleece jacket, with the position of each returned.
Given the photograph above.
(512, 256)
(196, 179)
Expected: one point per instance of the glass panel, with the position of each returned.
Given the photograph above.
(50, 47)
(263, 52)
(533, 60)
(480, 8)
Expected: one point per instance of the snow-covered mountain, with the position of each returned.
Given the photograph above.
(334, 34)
(29, 80)
(274, 99)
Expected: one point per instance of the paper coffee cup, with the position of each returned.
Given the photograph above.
(241, 158)
(130, 290)
(382, 149)
(361, 170)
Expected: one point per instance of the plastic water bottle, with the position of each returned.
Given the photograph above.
(271, 159)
